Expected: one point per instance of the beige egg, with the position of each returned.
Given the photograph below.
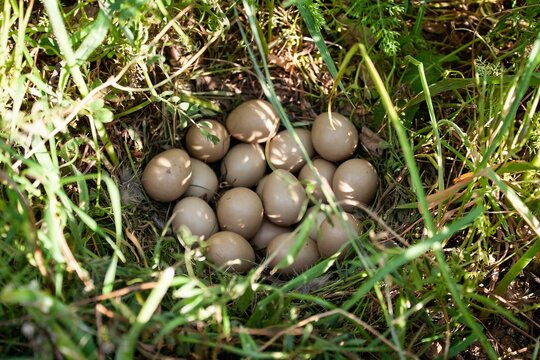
(253, 121)
(201, 147)
(204, 182)
(168, 175)
(240, 210)
(196, 215)
(284, 153)
(281, 247)
(334, 137)
(335, 232)
(284, 198)
(355, 180)
(244, 165)
(266, 233)
(260, 186)
(325, 169)
(229, 249)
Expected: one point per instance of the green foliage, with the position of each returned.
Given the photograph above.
(384, 19)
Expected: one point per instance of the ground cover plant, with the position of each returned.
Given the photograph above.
(445, 97)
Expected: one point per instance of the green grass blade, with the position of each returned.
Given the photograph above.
(313, 20)
(62, 37)
(499, 310)
(127, 346)
(7, 20)
(433, 118)
(513, 101)
(96, 35)
(459, 347)
(460, 304)
(116, 206)
(110, 275)
(530, 219)
(403, 140)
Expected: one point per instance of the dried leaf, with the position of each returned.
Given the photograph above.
(371, 142)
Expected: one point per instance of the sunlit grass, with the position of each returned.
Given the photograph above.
(90, 270)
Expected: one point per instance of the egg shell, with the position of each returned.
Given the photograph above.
(355, 180)
(266, 233)
(284, 153)
(284, 198)
(240, 210)
(204, 182)
(326, 171)
(334, 137)
(168, 175)
(253, 121)
(244, 165)
(227, 246)
(260, 186)
(201, 147)
(196, 215)
(281, 247)
(334, 233)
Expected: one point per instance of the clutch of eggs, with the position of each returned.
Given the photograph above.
(243, 186)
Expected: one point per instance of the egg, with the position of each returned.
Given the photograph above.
(228, 247)
(204, 182)
(283, 198)
(253, 121)
(196, 215)
(325, 169)
(168, 175)
(203, 148)
(334, 137)
(244, 165)
(284, 153)
(335, 232)
(355, 180)
(260, 186)
(281, 246)
(266, 233)
(240, 210)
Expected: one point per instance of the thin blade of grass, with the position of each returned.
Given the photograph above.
(313, 19)
(445, 85)
(433, 118)
(110, 275)
(513, 101)
(62, 37)
(457, 296)
(530, 219)
(128, 344)
(97, 33)
(499, 310)
(408, 153)
(7, 21)
(460, 346)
